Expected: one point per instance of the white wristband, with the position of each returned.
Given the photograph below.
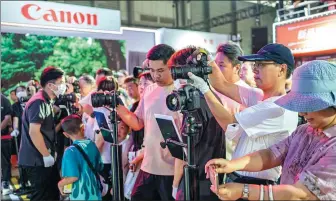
(270, 192)
(261, 198)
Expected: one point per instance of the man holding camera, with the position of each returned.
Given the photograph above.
(38, 141)
(209, 142)
(262, 123)
(157, 168)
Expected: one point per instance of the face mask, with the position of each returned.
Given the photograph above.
(21, 94)
(61, 89)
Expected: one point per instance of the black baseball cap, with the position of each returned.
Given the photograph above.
(272, 52)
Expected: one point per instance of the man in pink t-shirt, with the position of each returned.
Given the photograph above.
(157, 169)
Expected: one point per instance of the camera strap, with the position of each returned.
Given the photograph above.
(86, 158)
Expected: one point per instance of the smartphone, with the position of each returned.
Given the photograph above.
(67, 189)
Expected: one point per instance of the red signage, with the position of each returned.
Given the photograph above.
(309, 37)
(35, 12)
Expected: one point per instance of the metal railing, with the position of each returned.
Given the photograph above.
(302, 10)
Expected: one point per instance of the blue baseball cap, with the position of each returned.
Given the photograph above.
(272, 52)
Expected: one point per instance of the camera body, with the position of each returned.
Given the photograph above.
(67, 101)
(187, 98)
(198, 66)
(75, 85)
(24, 100)
(105, 99)
(138, 70)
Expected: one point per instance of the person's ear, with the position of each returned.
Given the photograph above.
(283, 70)
(237, 69)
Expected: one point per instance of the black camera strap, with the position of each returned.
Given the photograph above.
(86, 158)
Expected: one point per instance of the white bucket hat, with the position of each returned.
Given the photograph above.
(313, 89)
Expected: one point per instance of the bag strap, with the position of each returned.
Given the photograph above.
(86, 158)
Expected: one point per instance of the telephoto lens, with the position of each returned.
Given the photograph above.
(104, 99)
(137, 71)
(181, 72)
(67, 98)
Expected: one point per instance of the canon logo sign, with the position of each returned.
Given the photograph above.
(35, 12)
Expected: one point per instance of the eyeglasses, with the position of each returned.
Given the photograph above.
(260, 65)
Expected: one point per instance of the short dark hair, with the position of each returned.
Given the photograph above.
(22, 87)
(232, 51)
(13, 91)
(72, 124)
(107, 84)
(49, 74)
(180, 57)
(105, 71)
(131, 79)
(160, 52)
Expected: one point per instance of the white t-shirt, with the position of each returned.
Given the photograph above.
(126, 145)
(91, 126)
(260, 125)
(156, 160)
(233, 107)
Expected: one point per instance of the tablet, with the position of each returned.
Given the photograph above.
(169, 130)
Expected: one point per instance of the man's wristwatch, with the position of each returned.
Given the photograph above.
(246, 192)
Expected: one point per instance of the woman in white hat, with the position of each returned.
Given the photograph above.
(307, 157)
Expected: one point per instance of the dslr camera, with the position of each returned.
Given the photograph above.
(198, 66)
(187, 98)
(75, 85)
(105, 99)
(138, 70)
(66, 102)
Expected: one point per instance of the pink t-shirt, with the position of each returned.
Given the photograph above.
(309, 157)
(156, 160)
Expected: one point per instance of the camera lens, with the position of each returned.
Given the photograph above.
(182, 72)
(175, 101)
(68, 98)
(101, 99)
(137, 71)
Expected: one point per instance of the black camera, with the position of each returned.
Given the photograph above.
(75, 85)
(181, 72)
(105, 99)
(187, 98)
(137, 71)
(67, 98)
(24, 99)
(199, 67)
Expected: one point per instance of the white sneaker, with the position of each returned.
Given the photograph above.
(5, 188)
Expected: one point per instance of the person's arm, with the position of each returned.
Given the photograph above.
(7, 111)
(37, 111)
(65, 181)
(15, 123)
(99, 141)
(222, 115)
(298, 191)
(130, 118)
(178, 172)
(37, 138)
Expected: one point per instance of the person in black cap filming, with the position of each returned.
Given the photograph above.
(262, 123)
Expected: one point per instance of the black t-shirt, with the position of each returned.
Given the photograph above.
(17, 112)
(210, 142)
(6, 109)
(38, 110)
(138, 136)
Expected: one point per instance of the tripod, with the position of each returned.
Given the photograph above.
(116, 157)
(191, 187)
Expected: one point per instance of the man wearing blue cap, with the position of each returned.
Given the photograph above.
(262, 123)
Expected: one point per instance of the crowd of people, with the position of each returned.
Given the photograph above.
(268, 132)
